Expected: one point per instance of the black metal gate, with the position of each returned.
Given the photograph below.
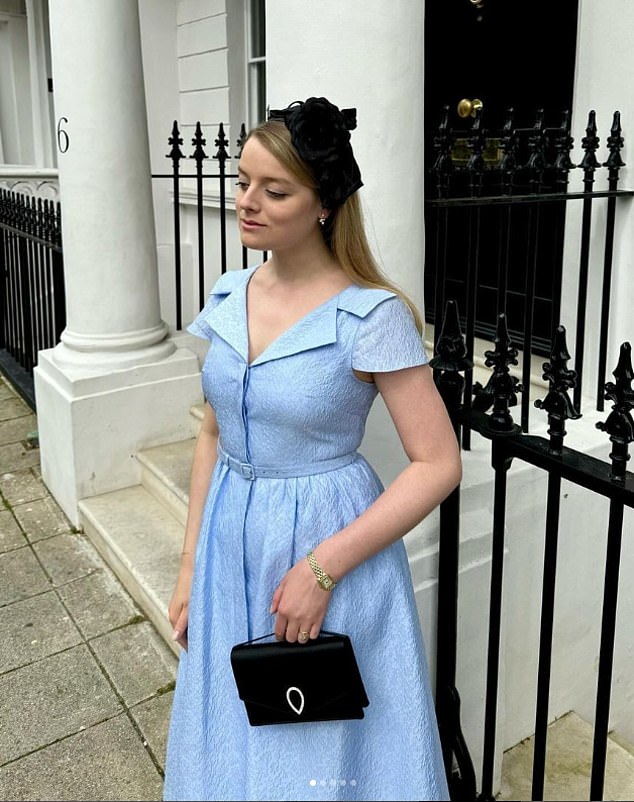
(485, 409)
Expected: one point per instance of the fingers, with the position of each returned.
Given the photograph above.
(280, 628)
(179, 633)
(299, 605)
(294, 631)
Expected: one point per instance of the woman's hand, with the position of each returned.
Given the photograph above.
(300, 604)
(178, 610)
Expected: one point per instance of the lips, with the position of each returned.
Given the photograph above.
(251, 224)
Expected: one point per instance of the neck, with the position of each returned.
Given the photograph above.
(303, 262)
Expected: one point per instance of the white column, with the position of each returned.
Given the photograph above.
(116, 382)
(105, 186)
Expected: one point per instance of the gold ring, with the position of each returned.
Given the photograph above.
(303, 635)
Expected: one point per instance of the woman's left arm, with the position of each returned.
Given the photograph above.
(434, 470)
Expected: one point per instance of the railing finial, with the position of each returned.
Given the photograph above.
(198, 141)
(450, 360)
(615, 143)
(502, 388)
(221, 143)
(175, 140)
(557, 403)
(619, 424)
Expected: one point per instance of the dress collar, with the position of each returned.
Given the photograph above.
(317, 328)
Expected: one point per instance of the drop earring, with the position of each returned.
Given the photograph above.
(322, 220)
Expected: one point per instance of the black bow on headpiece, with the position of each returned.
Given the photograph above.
(320, 133)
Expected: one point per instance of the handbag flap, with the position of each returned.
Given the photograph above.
(300, 681)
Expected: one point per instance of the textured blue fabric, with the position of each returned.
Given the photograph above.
(299, 403)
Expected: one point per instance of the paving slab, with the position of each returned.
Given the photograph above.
(66, 729)
(17, 429)
(568, 765)
(33, 629)
(17, 487)
(12, 407)
(21, 576)
(153, 718)
(51, 699)
(11, 536)
(6, 391)
(98, 603)
(17, 457)
(137, 660)
(41, 518)
(106, 762)
(67, 557)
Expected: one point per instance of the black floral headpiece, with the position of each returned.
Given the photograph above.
(320, 133)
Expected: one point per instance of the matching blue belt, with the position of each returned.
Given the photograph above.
(248, 471)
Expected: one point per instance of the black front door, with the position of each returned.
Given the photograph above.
(505, 54)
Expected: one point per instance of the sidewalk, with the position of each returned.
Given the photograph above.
(86, 683)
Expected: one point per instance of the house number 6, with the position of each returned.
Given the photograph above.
(62, 136)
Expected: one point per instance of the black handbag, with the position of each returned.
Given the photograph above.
(285, 683)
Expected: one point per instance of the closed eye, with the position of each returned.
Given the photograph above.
(272, 193)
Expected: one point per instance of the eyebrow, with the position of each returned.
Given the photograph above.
(267, 177)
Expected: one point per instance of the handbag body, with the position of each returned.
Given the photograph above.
(285, 683)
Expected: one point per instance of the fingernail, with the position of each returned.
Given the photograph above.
(176, 634)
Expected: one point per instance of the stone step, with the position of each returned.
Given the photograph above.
(142, 543)
(165, 472)
(139, 530)
(568, 765)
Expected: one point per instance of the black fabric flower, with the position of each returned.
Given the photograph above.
(320, 133)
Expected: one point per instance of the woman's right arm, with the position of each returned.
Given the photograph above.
(203, 464)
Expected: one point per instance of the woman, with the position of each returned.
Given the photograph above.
(289, 529)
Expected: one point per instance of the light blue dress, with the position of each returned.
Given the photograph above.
(288, 476)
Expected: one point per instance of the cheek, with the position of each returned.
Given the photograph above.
(296, 219)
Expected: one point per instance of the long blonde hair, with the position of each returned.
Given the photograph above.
(344, 232)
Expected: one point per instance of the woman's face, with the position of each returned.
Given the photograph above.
(276, 212)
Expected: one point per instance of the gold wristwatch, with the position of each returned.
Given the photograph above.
(324, 581)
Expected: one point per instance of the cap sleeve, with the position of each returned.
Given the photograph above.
(224, 286)
(387, 339)
(199, 325)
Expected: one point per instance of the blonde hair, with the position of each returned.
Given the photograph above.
(344, 232)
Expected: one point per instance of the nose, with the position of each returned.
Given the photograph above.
(247, 199)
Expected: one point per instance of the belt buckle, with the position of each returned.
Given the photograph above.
(247, 471)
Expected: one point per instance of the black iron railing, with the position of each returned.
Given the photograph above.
(497, 208)
(32, 296)
(606, 478)
(496, 217)
(222, 156)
